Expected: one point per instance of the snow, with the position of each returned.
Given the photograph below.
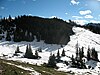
(7, 49)
(84, 38)
(80, 71)
(65, 58)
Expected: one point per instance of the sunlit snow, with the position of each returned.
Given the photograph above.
(82, 36)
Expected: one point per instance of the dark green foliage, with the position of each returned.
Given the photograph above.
(77, 51)
(39, 49)
(96, 56)
(17, 37)
(58, 56)
(78, 62)
(36, 54)
(28, 53)
(63, 53)
(82, 65)
(52, 31)
(82, 51)
(80, 54)
(38, 36)
(52, 61)
(10, 19)
(92, 54)
(73, 60)
(94, 27)
(61, 46)
(17, 50)
(0, 37)
(88, 54)
(8, 38)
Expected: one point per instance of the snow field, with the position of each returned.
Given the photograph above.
(84, 38)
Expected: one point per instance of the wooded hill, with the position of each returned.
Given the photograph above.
(27, 28)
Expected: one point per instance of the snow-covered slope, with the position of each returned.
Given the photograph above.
(84, 38)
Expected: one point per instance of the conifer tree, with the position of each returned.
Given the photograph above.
(80, 55)
(58, 56)
(36, 54)
(96, 56)
(52, 61)
(10, 18)
(8, 38)
(88, 54)
(17, 50)
(28, 53)
(77, 51)
(73, 60)
(63, 53)
(82, 51)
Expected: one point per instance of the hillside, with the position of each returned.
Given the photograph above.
(94, 27)
(82, 36)
(19, 68)
(27, 28)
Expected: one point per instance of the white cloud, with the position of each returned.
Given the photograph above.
(66, 13)
(98, 0)
(88, 16)
(77, 17)
(55, 17)
(2, 8)
(74, 2)
(94, 21)
(85, 12)
(81, 22)
(29, 14)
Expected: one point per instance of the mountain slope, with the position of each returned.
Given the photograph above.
(82, 36)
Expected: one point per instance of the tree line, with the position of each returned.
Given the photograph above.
(28, 54)
(94, 27)
(78, 61)
(24, 28)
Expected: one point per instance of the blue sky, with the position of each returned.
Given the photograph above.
(82, 11)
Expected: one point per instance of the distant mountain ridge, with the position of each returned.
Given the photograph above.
(94, 27)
